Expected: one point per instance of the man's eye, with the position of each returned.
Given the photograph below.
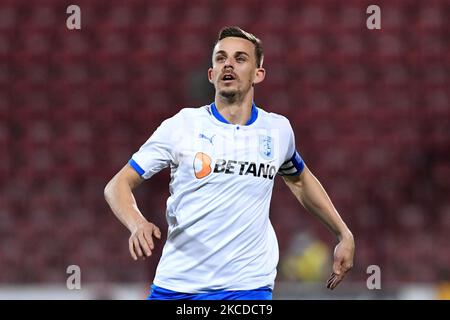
(220, 59)
(240, 59)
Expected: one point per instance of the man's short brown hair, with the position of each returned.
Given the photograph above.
(239, 33)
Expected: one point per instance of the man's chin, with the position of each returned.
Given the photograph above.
(228, 93)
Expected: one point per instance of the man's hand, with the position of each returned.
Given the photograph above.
(343, 261)
(141, 240)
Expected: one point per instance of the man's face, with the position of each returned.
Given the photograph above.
(234, 67)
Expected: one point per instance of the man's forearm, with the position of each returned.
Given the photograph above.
(314, 198)
(120, 198)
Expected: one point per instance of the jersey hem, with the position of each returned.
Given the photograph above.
(233, 288)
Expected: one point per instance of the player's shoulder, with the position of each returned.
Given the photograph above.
(189, 113)
(186, 115)
(274, 118)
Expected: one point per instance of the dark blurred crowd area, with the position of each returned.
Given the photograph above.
(370, 110)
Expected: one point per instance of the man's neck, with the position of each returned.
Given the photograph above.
(235, 112)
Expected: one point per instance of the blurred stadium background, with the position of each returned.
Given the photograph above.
(370, 111)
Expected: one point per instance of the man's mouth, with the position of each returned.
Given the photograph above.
(228, 77)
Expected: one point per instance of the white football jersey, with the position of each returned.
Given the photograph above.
(219, 236)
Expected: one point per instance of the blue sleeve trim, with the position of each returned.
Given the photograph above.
(136, 167)
(298, 162)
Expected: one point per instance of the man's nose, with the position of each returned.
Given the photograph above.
(229, 63)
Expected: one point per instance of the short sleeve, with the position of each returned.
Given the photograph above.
(293, 164)
(158, 151)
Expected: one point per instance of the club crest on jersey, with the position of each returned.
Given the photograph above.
(266, 147)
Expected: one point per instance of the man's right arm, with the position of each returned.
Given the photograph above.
(119, 196)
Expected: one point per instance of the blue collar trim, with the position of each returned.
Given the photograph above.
(218, 116)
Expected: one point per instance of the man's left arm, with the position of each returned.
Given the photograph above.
(313, 197)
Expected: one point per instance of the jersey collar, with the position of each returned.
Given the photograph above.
(218, 116)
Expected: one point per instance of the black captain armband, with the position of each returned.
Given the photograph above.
(292, 167)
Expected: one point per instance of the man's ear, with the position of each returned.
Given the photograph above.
(210, 70)
(260, 75)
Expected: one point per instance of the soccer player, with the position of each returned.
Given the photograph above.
(223, 159)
